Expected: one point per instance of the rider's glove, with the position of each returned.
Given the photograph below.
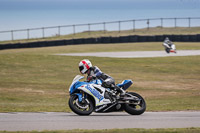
(89, 78)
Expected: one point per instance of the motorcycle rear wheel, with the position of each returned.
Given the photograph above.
(80, 108)
(135, 109)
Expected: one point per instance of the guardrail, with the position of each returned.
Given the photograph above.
(43, 32)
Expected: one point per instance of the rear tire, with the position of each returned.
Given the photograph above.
(135, 109)
(80, 108)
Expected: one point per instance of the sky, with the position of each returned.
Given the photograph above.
(23, 14)
(31, 13)
(97, 4)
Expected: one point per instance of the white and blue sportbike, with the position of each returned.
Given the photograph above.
(88, 97)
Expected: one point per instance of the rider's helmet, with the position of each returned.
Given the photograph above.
(166, 39)
(84, 66)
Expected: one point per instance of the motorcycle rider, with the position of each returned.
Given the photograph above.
(93, 72)
(169, 46)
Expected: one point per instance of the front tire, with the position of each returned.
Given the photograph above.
(167, 50)
(80, 108)
(135, 109)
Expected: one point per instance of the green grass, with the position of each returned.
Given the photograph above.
(96, 34)
(37, 80)
(131, 130)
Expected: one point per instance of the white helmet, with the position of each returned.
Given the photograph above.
(84, 66)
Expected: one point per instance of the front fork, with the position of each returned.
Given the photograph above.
(81, 96)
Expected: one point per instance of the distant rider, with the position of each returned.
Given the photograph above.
(93, 72)
(169, 46)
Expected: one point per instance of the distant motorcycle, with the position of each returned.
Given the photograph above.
(171, 49)
(88, 97)
(169, 46)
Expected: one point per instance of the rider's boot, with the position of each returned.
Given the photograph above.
(120, 90)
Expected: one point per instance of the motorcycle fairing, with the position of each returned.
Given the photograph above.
(90, 88)
(74, 86)
(75, 82)
(99, 97)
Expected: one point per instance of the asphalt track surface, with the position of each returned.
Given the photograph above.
(67, 121)
(136, 54)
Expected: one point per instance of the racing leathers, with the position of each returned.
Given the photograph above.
(107, 81)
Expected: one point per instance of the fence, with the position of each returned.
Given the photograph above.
(119, 26)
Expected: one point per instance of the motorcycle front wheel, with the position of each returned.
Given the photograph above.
(80, 108)
(135, 107)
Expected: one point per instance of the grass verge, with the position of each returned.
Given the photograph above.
(131, 130)
(36, 80)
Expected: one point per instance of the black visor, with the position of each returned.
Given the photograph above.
(81, 68)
